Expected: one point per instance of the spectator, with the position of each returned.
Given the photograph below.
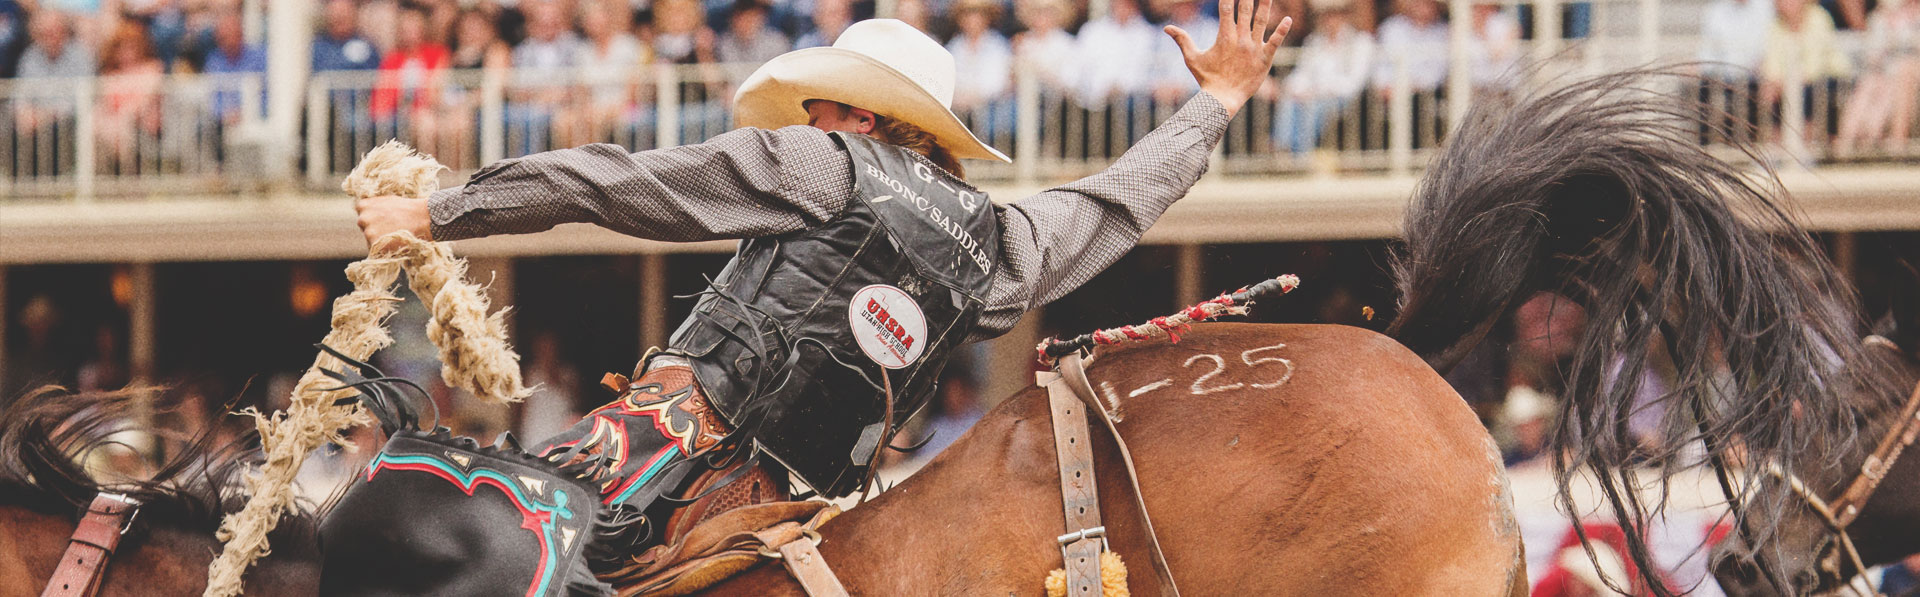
(1332, 72)
(166, 23)
(1416, 37)
(609, 67)
(681, 36)
(983, 90)
(1041, 47)
(914, 14)
(1493, 49)
(1733, 41)
(51, 55)
(1733, 38)
(748, 39)
(107, 370)
(1903, 577)
(340, 46)
(1171, 81)
(1883, 100)
(550, 48)
(1115, 55)
(412, 75)
(477, 43)
(231, 55)
(830, 17)
(554, 407)
(1801, 52)
(13, 36)
(129, 108)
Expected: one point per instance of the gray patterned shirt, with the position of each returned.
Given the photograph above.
(755, 182)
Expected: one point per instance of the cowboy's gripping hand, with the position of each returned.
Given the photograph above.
(1235, 67)
(382, 215)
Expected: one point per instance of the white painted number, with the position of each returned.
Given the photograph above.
(1247, 357)
(1219, 364)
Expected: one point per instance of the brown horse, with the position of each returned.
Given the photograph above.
(1276, 460)
(170, 542)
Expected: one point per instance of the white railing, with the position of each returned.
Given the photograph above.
(131, 135)
(203, 134)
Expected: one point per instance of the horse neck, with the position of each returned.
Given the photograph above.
(156, 559)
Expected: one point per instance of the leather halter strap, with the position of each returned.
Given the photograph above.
(1844, 510)
(1070, 379)
(92, 544)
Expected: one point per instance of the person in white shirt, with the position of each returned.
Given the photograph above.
(1115, 55)
(1493, 50)
(1041, 47)
(1415, 36)
(1331, 73)
(1170, 80)
(1733, 38)
(983, 93)
(1733, 41)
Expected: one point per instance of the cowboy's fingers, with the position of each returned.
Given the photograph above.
(1279, 36)
(1226, 18)
(1180, 38)
(1242, 15)
(1263, 12)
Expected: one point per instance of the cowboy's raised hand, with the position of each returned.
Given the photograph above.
(1233, 69)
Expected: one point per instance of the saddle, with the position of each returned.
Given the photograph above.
(722, 546)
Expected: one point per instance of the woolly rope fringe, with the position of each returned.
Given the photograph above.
(474, 356)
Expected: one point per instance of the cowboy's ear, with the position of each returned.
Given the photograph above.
(863, 120)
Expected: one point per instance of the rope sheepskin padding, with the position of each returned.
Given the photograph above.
(1113, 578)
(474, 356)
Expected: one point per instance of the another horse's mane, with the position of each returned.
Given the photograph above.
(1601, 191)
(45, 433)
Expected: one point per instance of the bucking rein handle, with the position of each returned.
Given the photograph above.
(474, 355)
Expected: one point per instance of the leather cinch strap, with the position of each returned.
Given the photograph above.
(804, 562)
(1068, 384)
(1085, 538)
(93, 542)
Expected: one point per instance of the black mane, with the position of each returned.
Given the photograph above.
(45, 433)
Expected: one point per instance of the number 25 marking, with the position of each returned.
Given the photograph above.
(1200, 387)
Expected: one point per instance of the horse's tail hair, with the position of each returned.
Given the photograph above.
(1600, 191)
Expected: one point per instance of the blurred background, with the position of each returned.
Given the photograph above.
(170, 168)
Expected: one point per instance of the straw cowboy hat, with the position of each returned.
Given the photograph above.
(882, 65)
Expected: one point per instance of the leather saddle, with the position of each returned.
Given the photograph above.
(720, 547)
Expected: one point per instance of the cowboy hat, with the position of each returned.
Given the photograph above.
(882, 65)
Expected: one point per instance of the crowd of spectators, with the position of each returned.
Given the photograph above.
(578, 71)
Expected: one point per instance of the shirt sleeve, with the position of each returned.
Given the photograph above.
(741, 184)
(1053, 242)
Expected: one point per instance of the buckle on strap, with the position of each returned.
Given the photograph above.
(130, 508)
(1099, 532)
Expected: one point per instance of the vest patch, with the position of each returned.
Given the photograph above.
(888, 325)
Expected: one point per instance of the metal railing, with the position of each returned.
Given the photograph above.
(203, 134)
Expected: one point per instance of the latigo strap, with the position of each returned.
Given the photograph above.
(93, 543)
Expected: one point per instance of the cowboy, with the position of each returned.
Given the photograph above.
(866, 257)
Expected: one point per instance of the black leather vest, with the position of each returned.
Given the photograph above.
(792, 342)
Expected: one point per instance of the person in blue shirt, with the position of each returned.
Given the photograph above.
(1902, 578)
(341, 47)
(232, 55)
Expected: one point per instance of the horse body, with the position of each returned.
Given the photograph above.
(1276, 459)
(159, 560)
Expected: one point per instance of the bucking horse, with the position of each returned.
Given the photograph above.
(1312, 459)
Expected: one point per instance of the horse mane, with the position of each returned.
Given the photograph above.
(1601, 191)
(46, 432)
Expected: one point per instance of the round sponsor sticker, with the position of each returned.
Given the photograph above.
(888, 325)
